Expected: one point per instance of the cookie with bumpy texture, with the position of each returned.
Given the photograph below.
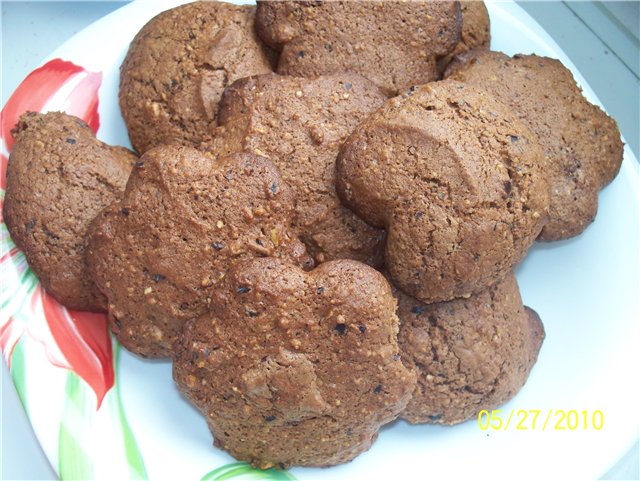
(59, 177)
(394, 44)
(159, 252)
(300, 124)
(476, 31)
(469, 354)
(458, 182)
(296, 368)
(581, 142)
(177, 67)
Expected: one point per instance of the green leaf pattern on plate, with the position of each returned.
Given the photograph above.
(81, 440)
(73, 460)
(132, 452)
(79, 436)
(18, 281)
(77, 448)
(244, 471)
(18, 374)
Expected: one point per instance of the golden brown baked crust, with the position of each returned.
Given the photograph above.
(300, 124)
(394, 44)
(581, 142)
(476, 31)
(177, 67)
(469, 354)
(59, 177)
(159, 252)
(296, 368)
(458, 182)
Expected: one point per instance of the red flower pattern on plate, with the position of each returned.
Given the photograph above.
(78, 341)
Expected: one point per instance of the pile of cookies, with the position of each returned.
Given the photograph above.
(323, 216)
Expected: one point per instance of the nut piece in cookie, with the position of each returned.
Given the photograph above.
(469, 354)
(159, 253)
(394, 44)
(177, 67)
(476, 31)
(296, 368)
(581, 142)
(59, 177)
(459, 183)
(300, 124)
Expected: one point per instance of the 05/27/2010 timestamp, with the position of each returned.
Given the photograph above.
(541, 420)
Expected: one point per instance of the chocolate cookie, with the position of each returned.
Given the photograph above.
(296, 368)
(177, 67)
(394, 44)
(300, 125)
(59, 177)
(159, 253)
(459, 183)
(476, 31)
(581, 142)
(469, 354)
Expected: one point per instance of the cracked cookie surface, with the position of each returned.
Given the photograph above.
(458, 182)
(581, 143)
(394, 44)
(475, 33)
(296, 368)
(59, 177)
(177, 67)
(159, 252)
(300, 125)
(469, 354)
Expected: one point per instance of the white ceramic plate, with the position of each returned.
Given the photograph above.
(585, 289)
